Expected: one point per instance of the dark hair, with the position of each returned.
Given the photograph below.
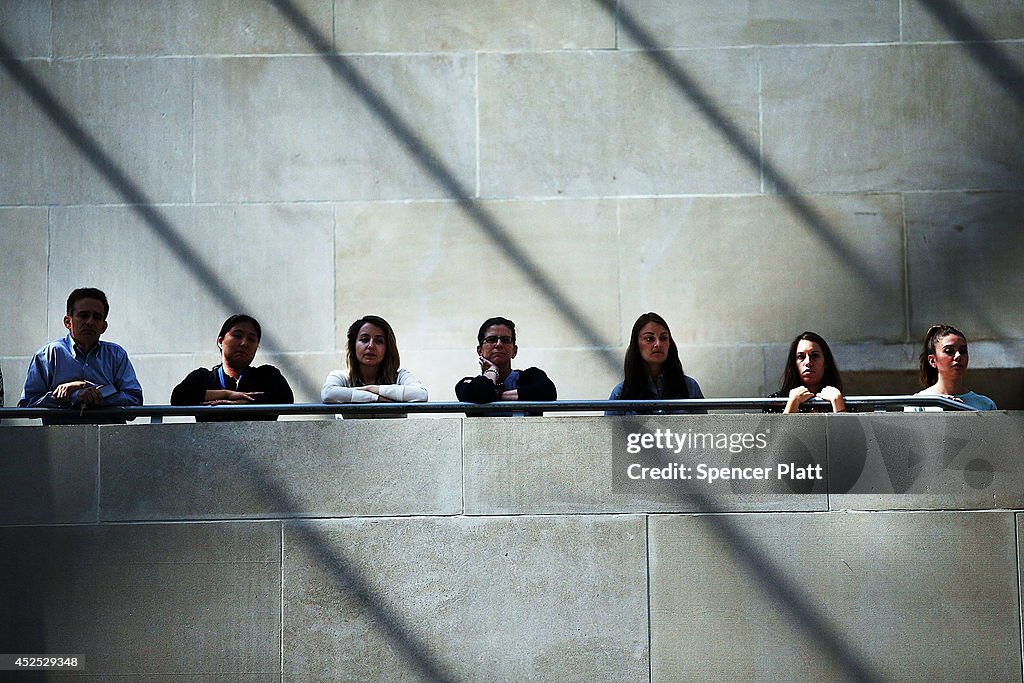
(791, 376)
(239, 318)
(387, 373)
(927, 374)
(87, 293)
(496, 321)
(634, 386)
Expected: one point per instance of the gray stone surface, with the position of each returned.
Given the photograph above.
(14, 369)
(760, 22)
(25, 27)
(306, 372)
(572, 465)
(160, 373)
(723, 371)
(926, 461)
(455, 275)
(505, 599)
(467, 25)
(706, 264)
(273, 260)
(437, 370)
(23, 281)
(320, 141)
(961, 249)
(125, 106)
(992, 19)
(168, 678)
(578, 374)
(125, 28)
(146, 599)
(907, 596)
(890, 118)
(48, 474)
(609, 123)
(281, 469)
(223, 117)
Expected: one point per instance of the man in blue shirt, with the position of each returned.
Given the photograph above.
(80, 370)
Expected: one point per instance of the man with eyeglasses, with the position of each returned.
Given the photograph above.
(497, 380)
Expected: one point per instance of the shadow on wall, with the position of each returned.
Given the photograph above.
(748, 150)
(138, 201)
(961, 27)
(790, 597)
(432, 163)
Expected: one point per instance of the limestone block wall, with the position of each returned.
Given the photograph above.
(748, 170)
(502, 549)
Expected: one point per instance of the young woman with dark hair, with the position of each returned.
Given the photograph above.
(652, 368)
(374, 372)
(811, 371)
(235, 381)
(943, 366)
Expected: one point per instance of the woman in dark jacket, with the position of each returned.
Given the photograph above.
(235, 381)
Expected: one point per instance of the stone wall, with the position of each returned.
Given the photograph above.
(749, 170)
(501, 549)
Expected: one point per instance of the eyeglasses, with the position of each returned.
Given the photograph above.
(504, 339)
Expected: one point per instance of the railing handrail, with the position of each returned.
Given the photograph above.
(161, 411)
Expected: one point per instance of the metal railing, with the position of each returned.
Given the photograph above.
(157, 412)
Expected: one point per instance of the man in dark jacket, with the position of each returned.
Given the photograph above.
(497, 380)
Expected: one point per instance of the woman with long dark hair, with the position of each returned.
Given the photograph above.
(374, 372)
(943, 367)
(811, 371)
(652, 367)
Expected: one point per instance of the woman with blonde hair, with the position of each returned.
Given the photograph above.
(374, 372)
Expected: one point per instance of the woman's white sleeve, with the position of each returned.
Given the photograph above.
(408, 389)
(337, 390)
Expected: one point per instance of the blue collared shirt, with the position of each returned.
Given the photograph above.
(105, 366)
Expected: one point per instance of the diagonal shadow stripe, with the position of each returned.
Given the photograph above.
(790, 597)
(138, 201)
(964, 29)
(772, 579)
(348, 577)
(999, 65)
(748, 150)
(433, 165)
(1007, 74)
